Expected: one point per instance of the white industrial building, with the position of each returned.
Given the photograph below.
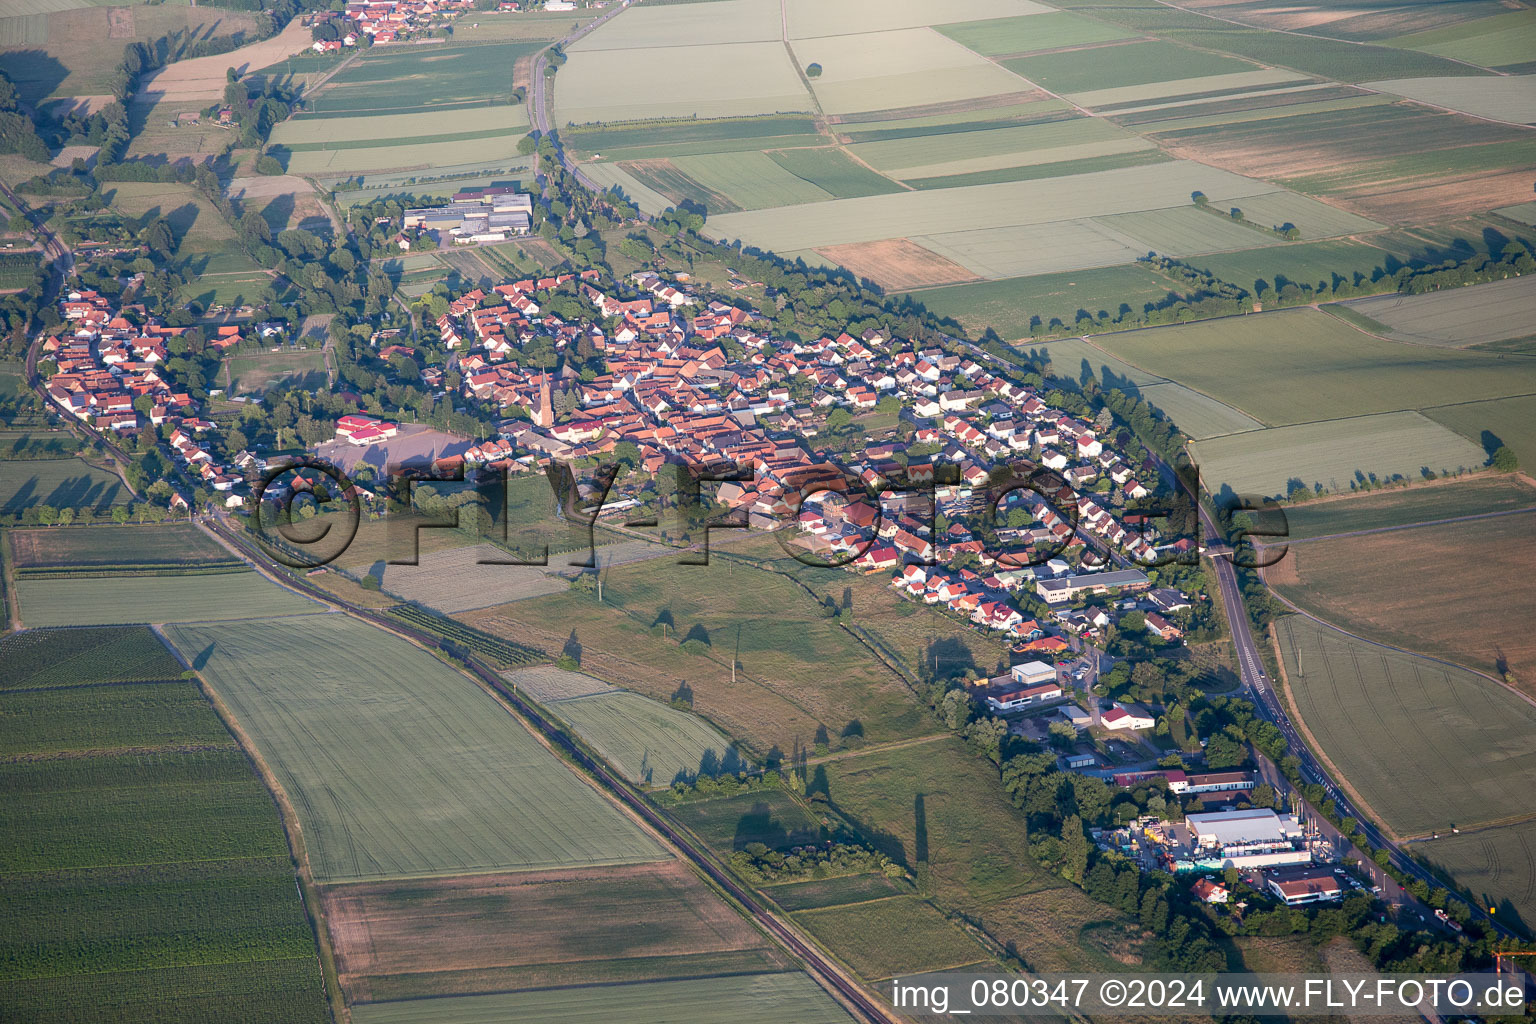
(1251, 838)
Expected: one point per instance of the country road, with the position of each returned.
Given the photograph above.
(843, 987)
(537, 83)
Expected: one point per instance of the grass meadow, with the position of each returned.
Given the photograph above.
(772, 817)
(899, 935)
(650, 743)
(433, 938)
(400, 766)
(1426, 745)
(59, 483)
(147, 875)
(1297, 366)
(744, 999)
(102, 600)
(833, 892)
(256, 373)
(1064, 930)
(1333, 454)
(1372, 586)
(1375, 511)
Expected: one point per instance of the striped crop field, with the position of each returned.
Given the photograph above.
(398, 765)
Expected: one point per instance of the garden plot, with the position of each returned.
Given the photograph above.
(1503, 99)
(845, 17)
(709, 24)
(900, 68)
(399, 766)
(727, 80)
(455, 580)
(974, 207)
(1333, 453)
(1457, 317)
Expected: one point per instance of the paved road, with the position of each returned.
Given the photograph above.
(540, 111)
(827, 973)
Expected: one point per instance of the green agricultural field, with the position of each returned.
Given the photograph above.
(1112, 67)
(614, 175)
(422, 78)
(1417, 505)
(970, 208)
(1236, 82)
(1505, 39)
(1505, 99)
(39, 659)
(1497, 866)
(146, 874)
(1427, 745)
(1237, 105)
(255, 373)
(768, 816)
(17, 269)
(162, 545)
(59, 483)
(880, 125)
(1333, 454)
(1503, 421)
(1457, 317)
(487, 149)
(102, 600)
(1184, 230)
(401, 766)
(834, 171)
(901, 935)
(1008, 307)
(750, 999)
(1054, 169)
(843, 17)
(1315, 219)
(650, 743)
(1303, 263)
(1080, 361)
(752, 180)
(1023, 250)
(1296, 366)
(936, 808)
(1524, 213)
(721, 136)
(968, 152)
(1000, 37)
(834, 892)
(899, 68)
(728, 80)
(1198, 415)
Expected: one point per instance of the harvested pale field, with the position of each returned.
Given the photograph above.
(721, 21)
(1497, 866)
(1333, 453)
(98, 601)
(546, 683)
(390, 128)
(1297, 366)
(727, 80)
(1372, 585)
(397, 765)
(1426, 745)
(753, 181)
(1184, 87)
(203, 78)
(1512, 98)
(920, 155)
(900, 68)
(650, 743)
(1197, 415)
(458, 579)
(534, 930)
(1458, 317)
(901, 935)
(401, 157)
(1027, 249)
(741, 999)
(845, 17)
(897, 263)
(608, 175)
(974, 207)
